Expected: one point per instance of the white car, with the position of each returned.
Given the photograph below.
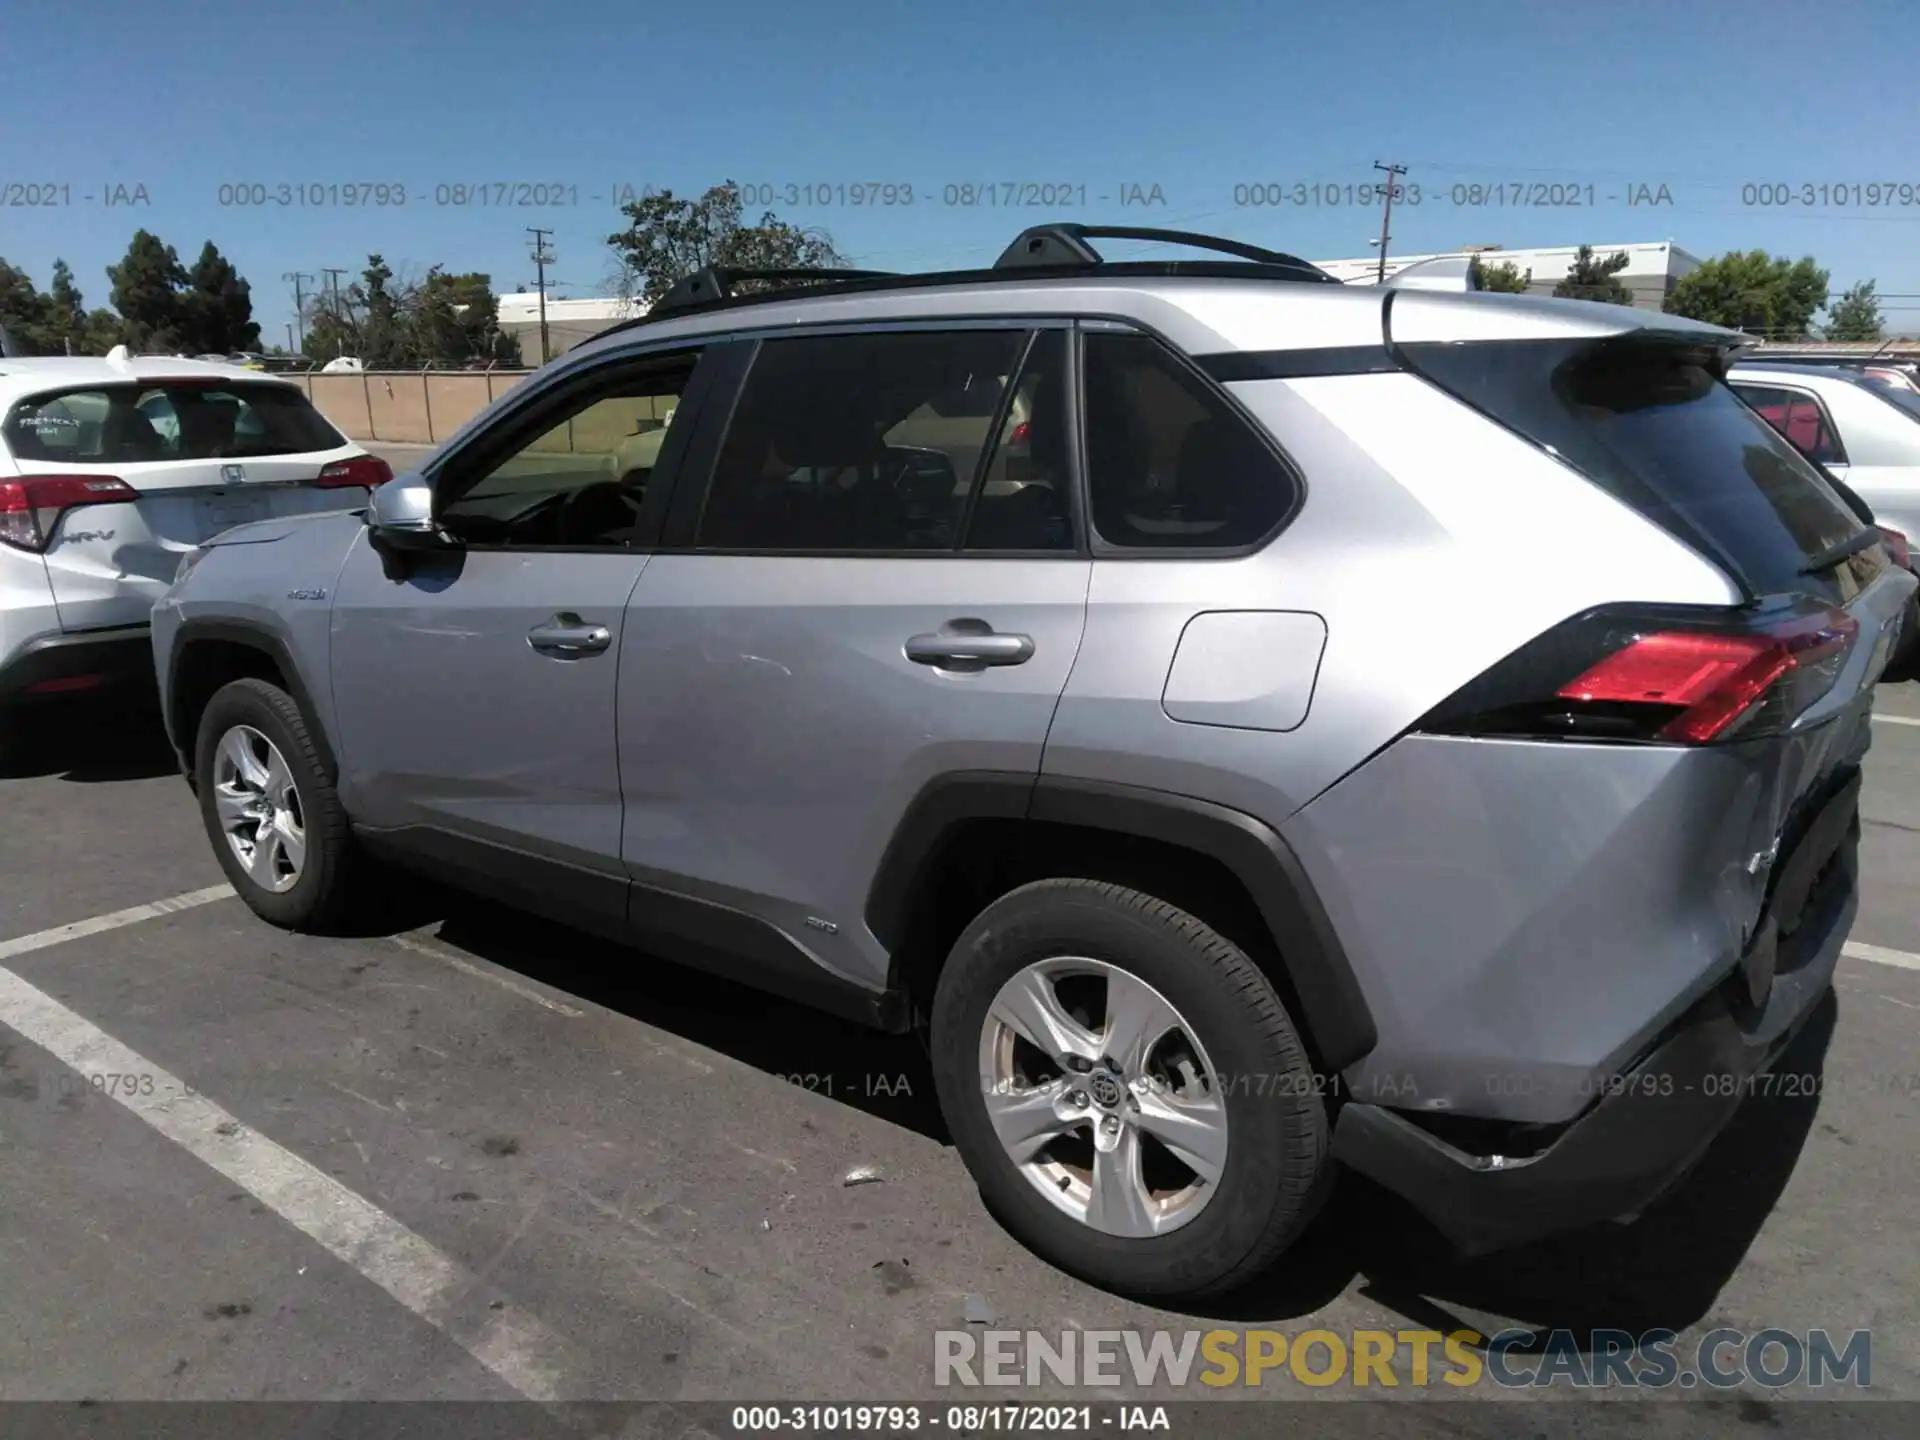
(1867, 433)
(112, 469)
(1863, 432)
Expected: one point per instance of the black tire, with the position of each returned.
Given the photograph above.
(324, 897)
(1276, 1169)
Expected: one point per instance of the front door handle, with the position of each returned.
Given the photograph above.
(969, 645)
(568, 634)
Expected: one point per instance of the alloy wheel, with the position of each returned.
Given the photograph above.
(1103, 1097)
(259, 808)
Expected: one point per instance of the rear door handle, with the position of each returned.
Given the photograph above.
(969, 645)
(568, 634)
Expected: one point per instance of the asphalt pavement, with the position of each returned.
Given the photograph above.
(472, 1156)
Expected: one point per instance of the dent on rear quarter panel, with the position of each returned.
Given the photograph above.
(1521, 914)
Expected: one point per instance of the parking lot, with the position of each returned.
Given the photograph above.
(472, 1156)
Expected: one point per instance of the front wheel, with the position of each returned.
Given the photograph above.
(1127, 1089)
(270, 809)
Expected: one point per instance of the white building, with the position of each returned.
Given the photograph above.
(1652, 268)
(569, 322)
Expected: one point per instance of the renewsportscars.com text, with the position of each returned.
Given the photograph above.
(1598, 1359)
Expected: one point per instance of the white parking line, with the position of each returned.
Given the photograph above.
(40, 939)
(518, 1348)
(1881, 955)
(1897, 719)
(466, 967)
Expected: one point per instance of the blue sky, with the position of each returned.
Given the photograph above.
(1194, 98)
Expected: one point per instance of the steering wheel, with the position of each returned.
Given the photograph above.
(591, 513)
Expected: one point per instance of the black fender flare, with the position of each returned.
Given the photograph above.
(1335, 1010)
(254, 637)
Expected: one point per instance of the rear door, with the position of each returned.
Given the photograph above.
(848, 610)
(202, 456)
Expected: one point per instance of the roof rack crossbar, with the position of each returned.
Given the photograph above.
(1050, 246)
(719, 282)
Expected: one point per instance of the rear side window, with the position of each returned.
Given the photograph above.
(874, 442)
(1170, 464)
(1799, 417)
(134, 424)
(1650, 423)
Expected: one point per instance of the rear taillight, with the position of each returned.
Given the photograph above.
(1665, 676)
(367, 470)
(1897, 547)
(31, 505)
(1022, 433)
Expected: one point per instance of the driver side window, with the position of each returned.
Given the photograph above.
(582, 479)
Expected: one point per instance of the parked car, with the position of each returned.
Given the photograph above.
(112, 469)
(1864, 434)
(1893, 371)
(1249, 782)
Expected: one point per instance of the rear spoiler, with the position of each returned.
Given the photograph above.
(1443, 272)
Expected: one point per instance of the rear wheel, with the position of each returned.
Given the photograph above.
(1128, 1091)
(270, 809)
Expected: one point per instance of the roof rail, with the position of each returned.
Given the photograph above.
(1039, 252)
(717, 282)
(1065, 245)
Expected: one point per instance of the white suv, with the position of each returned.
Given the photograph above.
(112, 469)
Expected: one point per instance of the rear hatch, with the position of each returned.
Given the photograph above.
(1641, 409)
(113, 482)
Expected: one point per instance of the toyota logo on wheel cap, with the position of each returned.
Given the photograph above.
(1106, 1089)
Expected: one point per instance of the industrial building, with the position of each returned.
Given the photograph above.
(1653, 268)
(569, 322)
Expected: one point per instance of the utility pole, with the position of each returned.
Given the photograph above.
(299, 307)
(1394, 172)
(333, 287)
(542, 257)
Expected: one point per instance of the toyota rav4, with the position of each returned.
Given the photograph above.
(1255, 725)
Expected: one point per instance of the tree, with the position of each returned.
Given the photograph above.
(392, 323)
(66, 312)
(383, 338)
(1753, 291)
(1593, 279)
(146, 292)
(1856, 315)
(23, 310)
(668, 237)
(457, 322)
(103, 330)
(1505, 278)
(216, 313)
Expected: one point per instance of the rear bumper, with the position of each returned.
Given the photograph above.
(1652, 1121)
(58, 665)
(1905, 663)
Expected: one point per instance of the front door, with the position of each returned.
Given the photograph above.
(886, 583)
(475, 690)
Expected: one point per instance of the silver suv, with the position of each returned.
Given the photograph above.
(1264, 725)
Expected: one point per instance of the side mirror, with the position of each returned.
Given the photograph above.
(400, 516)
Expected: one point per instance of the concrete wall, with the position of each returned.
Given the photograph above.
(406, 406)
